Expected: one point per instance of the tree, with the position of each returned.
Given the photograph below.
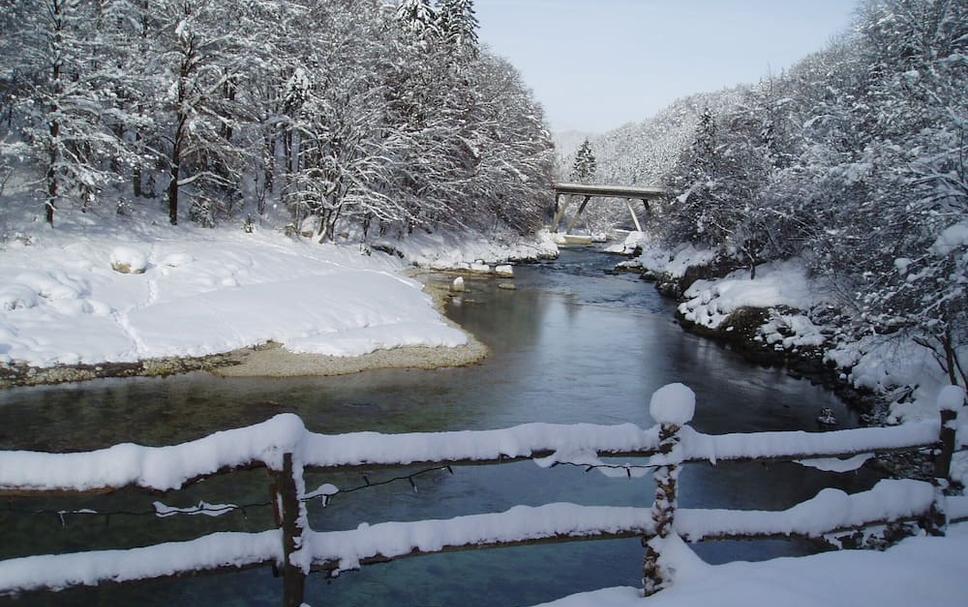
(457, 22)
(585, 166)
(63, 91)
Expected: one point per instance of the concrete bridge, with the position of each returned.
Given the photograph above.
(574, 190)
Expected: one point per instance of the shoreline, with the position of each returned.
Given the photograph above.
(268, 359)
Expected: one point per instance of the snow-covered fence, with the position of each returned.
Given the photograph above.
(284, 447)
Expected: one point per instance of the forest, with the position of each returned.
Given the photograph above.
(854, 160)
(338, 116)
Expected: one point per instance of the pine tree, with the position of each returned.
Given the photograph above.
(585, 167)
(458, 24)
(418, 17)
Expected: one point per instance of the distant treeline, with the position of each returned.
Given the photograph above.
(346, 113)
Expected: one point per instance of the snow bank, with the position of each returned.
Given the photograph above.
(449, 251)
(661, 261)
(786, 331)
(203, 292)
(918, 571)
(710, 303)
(884, 365)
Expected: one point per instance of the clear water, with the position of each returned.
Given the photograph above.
(571, 344)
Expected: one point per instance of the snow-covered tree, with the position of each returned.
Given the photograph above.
(62, 92)
(585, 166)
(458, 24)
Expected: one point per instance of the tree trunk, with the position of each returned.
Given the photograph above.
(52, 190)
(175, 171)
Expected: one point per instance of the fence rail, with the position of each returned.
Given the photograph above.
(285, 448)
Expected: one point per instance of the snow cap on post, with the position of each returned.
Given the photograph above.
(951, 398)
(673, 404)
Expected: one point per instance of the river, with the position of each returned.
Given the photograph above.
(570, 344)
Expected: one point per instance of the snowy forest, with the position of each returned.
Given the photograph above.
(336, 116)
(853, 160)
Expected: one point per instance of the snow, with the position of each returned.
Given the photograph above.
(448, 251)
(129, 260)
(834, 464)
(951, 239)
(791, 331)
(673, 404)
(676, 262)
(829, 510)
(918, 571)
(203, 292)
(672, 264)
(951, 398)
(696, 445)
(785, 283)
(165, 468)
(227, 549)
(520, 523)
(887, 365)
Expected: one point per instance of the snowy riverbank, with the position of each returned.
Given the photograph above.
(94, 298)
(784, 314)
(918, 571)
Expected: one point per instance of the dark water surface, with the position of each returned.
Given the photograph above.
(571, 344)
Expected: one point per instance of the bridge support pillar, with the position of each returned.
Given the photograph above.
(635, 219)
(581, 209)
(560, 210)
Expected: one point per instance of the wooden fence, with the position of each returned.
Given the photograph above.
(285, 448)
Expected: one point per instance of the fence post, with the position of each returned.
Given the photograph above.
(672, 406)
(950, 401)
(287, 508)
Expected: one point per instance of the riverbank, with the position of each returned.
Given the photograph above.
(779, 315)
(96, 298)
(918, 571)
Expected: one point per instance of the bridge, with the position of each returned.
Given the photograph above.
(574, 190)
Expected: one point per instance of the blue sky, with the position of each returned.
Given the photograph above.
(597, 64)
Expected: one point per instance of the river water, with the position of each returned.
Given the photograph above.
(571, 344)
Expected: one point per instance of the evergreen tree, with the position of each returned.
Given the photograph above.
(458, 24)
(585, 166)
(419, 17)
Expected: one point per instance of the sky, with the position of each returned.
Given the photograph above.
(597, 64)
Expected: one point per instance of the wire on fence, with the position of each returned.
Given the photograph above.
(163, 511)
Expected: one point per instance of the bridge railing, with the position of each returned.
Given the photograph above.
(284, 447)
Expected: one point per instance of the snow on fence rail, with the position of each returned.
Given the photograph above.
(285, 448)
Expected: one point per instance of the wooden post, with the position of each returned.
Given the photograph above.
(287, 508)
(950, 401)
(942, 463)
(672, 406)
